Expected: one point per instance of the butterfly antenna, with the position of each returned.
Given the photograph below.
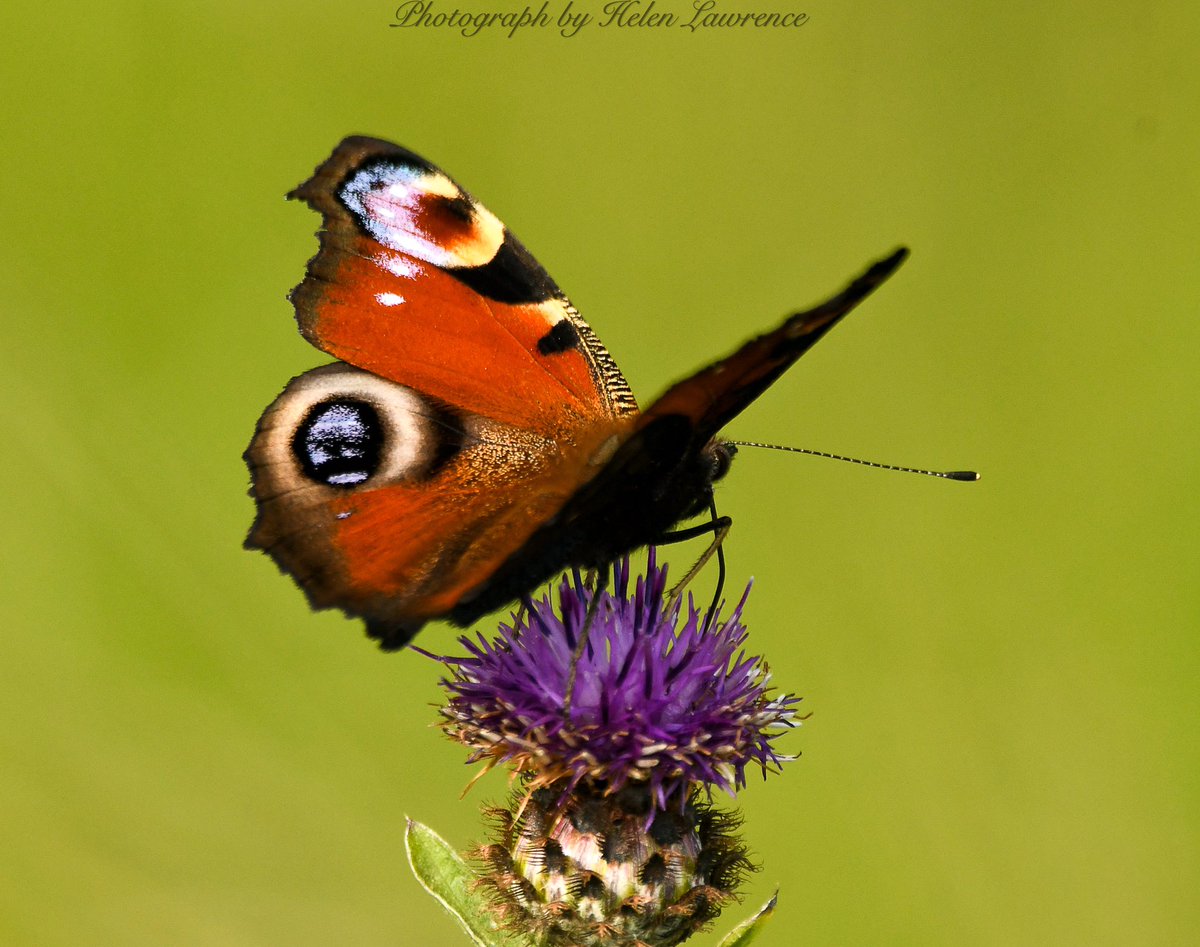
(719, 526)
(964, 476)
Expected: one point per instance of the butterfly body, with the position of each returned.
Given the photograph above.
(474, 437)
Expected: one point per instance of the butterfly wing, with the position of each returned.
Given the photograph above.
(471, 402)
(713, 396)
(662, 472)
(418, 282)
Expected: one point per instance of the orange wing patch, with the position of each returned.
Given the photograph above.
(419, 283)
(413, 323)
(452, 538)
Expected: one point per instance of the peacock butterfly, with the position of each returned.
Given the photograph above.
(474, 437)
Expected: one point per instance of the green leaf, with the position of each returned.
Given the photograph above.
(745, 933)
(446, 876)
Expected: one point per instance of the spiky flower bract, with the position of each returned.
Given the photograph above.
(588, 872)
(656, 701)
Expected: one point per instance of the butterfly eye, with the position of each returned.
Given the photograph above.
(719, 455)
(339, 443)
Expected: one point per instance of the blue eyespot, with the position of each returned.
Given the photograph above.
(339, 443)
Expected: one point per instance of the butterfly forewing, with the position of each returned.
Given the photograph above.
(418, 282)
(713, 396)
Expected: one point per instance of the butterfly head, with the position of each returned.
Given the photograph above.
(706, 468)
(718, 455)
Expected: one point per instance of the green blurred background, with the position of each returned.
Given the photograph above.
(1002, 677)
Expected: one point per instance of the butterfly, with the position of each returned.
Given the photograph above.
(474, 437)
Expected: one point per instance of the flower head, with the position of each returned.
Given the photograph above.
(613, 840)
(656, 702)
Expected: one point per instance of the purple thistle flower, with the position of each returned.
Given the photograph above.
(663, 705)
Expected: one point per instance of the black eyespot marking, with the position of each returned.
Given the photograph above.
(511, 276)
(339, 443)
(561, 338)
(459, 207)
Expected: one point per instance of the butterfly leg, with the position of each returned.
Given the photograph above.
(524, 608)
(392, 635)
(602, 576)
(719, 527)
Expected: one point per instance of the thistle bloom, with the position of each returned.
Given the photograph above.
(654, 703)
(612, 839)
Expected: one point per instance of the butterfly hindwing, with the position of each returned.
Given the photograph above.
(393, 507)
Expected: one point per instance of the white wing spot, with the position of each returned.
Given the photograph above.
(389, 299)
(399, 266)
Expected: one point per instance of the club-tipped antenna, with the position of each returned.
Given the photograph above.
(965, 476)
